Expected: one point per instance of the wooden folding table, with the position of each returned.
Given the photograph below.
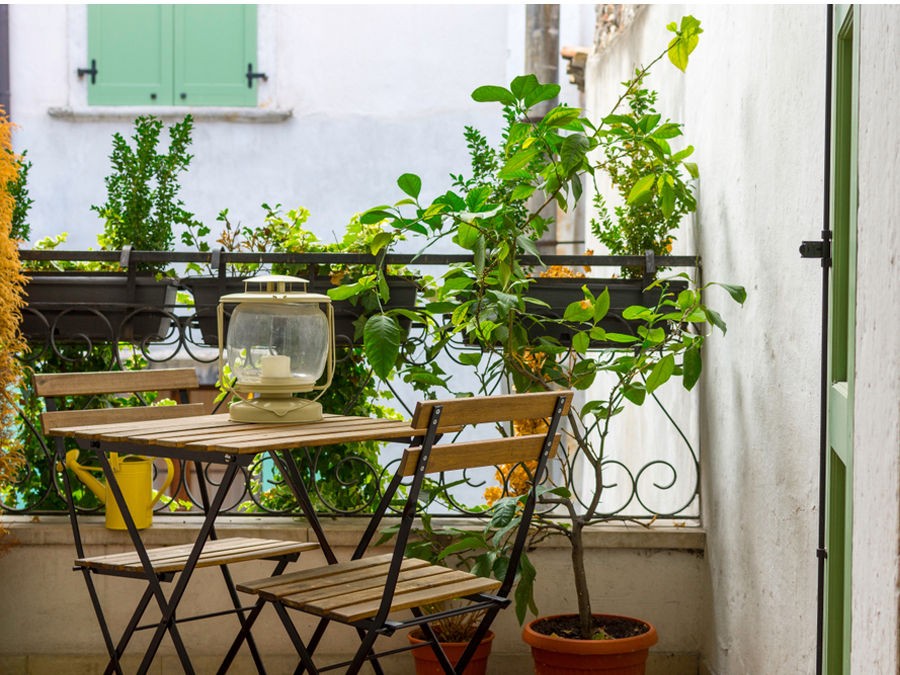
(216, 439)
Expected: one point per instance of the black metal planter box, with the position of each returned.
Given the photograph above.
(208, 290)
(560, 293)
(100, 306)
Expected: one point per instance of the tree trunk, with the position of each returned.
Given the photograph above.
(581, 586)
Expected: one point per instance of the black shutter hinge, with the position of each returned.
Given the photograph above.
(818, 249)
(92, 71)
(251, 75)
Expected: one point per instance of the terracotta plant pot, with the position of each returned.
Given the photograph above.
(563, 656)
(427, 663)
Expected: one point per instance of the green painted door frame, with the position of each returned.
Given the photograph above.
(841, 352)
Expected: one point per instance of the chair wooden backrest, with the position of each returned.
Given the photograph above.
(478, 410)
(53, 386)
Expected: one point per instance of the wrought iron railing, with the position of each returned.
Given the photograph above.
(85, 333)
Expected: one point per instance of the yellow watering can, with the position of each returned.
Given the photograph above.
(134, 475)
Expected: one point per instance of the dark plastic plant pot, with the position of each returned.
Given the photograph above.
(100, 306)
(560, 293)
(427, 663)
(554, 655)
(208, 290)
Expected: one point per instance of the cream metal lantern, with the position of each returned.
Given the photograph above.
(280, 341)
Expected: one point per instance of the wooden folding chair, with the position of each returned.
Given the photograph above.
(165, 562)
(368, 592)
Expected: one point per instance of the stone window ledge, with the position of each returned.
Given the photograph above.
(172, 530)
(128, 113)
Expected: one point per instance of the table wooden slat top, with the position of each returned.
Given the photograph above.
(217, 433)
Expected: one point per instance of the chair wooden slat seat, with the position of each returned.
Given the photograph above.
(216, 552)
(352, 591)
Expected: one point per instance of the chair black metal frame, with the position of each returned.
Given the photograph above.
(418, 460)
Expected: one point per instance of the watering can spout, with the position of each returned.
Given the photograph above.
(134, 475)
(85, 476)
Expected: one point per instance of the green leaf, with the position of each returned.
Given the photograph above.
(668, 130)
(686, 40)
(661, 373)
(633, 312)
(621, 119)
(656, 335)
(523, 85)
(577, 313)
(379, 241)
(692, 169)
(601, 305)
(573, 151)
(621, 338)
(528, 246)
(685, 299)
(524, 594)
(382, 336)
(667, 199)
(479, 253)
(716, 319)
(411, 184)
(543, 92)
(692, 367)
(467, 236)
(641, 191)
(581, 341)
(561, 116)
(375, 215)
(470, 358)
(683, 154)
(434, 209)
(522, 191)
(635, 393)
(737, 293)
(518, 162)
(344, 292)
(477, 197)
(648, 122)
(490, 93)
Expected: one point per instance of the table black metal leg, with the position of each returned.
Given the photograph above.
(129, 629)
(226, 573)
(166, 606)
(167, 621)
(288, 467)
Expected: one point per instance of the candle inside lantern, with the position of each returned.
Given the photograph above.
(276, 366)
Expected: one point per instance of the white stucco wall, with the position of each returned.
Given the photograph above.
(752, 102)
(374, 90)
(876, 451)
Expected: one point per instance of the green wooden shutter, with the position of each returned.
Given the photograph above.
(132, 47)
(213, 46)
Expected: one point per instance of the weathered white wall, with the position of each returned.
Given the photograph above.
(46, 633)
(876, 452)
(375, 91)
(752, 102)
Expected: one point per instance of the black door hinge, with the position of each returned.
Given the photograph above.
(251, 75)
(818, 249)
(92, 71)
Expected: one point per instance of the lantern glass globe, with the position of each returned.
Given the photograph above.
(278, 345)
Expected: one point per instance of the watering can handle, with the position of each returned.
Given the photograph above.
(170, 475)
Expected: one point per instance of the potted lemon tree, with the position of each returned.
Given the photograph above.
(490, 302)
